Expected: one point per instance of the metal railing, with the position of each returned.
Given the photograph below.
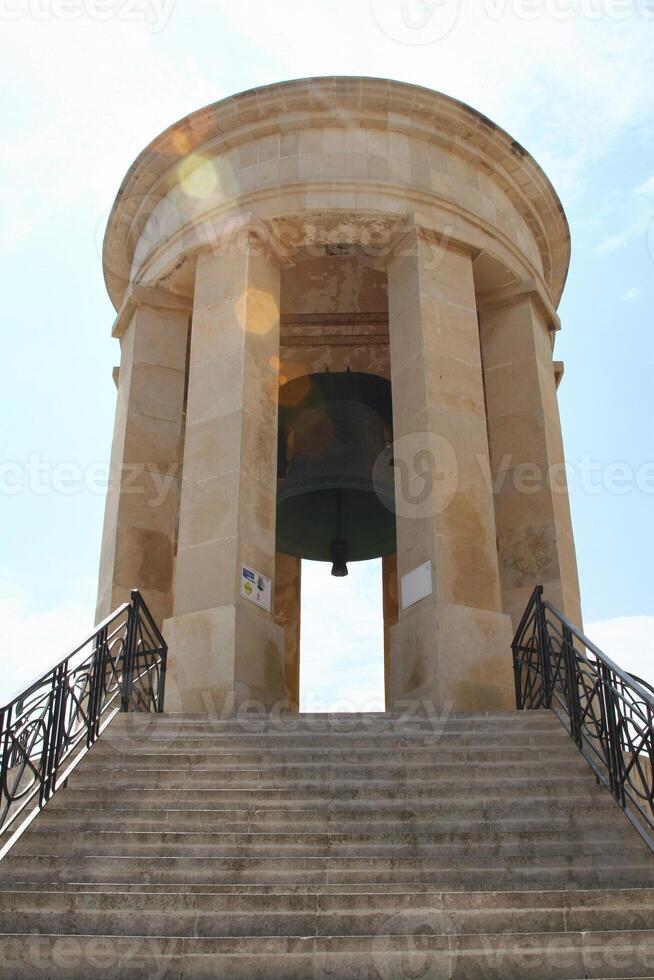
(46, 730)
(608, 712)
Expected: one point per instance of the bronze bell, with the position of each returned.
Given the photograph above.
(333, 429)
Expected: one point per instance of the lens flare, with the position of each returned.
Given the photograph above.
(197, 176)
(258, 311)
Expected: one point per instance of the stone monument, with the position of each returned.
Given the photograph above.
(336, 305)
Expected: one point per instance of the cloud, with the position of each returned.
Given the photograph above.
(342, 641)
(639, 206)
(91, 96)
(16, 229)
(33, 639)
(546, 79)
(627, 640)
(632, 293)
(93, 93)
(342, 658)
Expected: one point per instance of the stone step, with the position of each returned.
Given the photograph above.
(543, 955)
(320, 773)
(301, 915)
(340, 721)
(585, 802)
(483, 833)
(330, 847)
(184, 889)
(485, 843)
(469, 869)
(168, 727)
(368, 804)
(158, 731)
(317, 821)
(278, 762)
(555, 747)
(107, 757)
(275, 737)
(163, 791)
(550, 877)
(319, 900)
(462, 728)
(416, 733)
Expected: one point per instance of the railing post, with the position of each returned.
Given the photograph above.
(517, 680)
(614, 760)
(162, 679)
(95, 687)
(4, 750)
(130, 651)
(572, 685)
(543, 645)
(53, 737)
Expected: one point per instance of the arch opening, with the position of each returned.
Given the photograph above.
(335, 493)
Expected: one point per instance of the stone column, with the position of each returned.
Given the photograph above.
(223, 649)
(532, 510)
(391, 614)
(140, 521)
(452, 648)
(287, 613)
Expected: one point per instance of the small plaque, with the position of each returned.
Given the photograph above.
(256, 587)
(416, 585)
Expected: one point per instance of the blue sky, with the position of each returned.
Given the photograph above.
(90, 82)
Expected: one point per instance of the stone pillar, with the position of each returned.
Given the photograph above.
(391, 613)
(452, 648)
(287, 613)
(223, 649)
(532, 510)
(140, 520)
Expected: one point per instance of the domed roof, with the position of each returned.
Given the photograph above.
(382, 103)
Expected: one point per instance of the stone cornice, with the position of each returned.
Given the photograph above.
(149, 296)
(375, 103)
(379, 233)
(248, 232)
(559, 370)
(516, 291)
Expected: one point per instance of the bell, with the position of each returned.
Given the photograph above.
(334, 431)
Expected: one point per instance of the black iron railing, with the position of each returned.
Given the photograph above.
(47, 729)
(608, 712)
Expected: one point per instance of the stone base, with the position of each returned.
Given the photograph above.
(220, 658)
(447, 657)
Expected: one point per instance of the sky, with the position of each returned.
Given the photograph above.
(88, 83)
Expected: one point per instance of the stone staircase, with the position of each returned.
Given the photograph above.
(333, 846)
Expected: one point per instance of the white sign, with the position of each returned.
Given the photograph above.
(416, 585)
(256, 587)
